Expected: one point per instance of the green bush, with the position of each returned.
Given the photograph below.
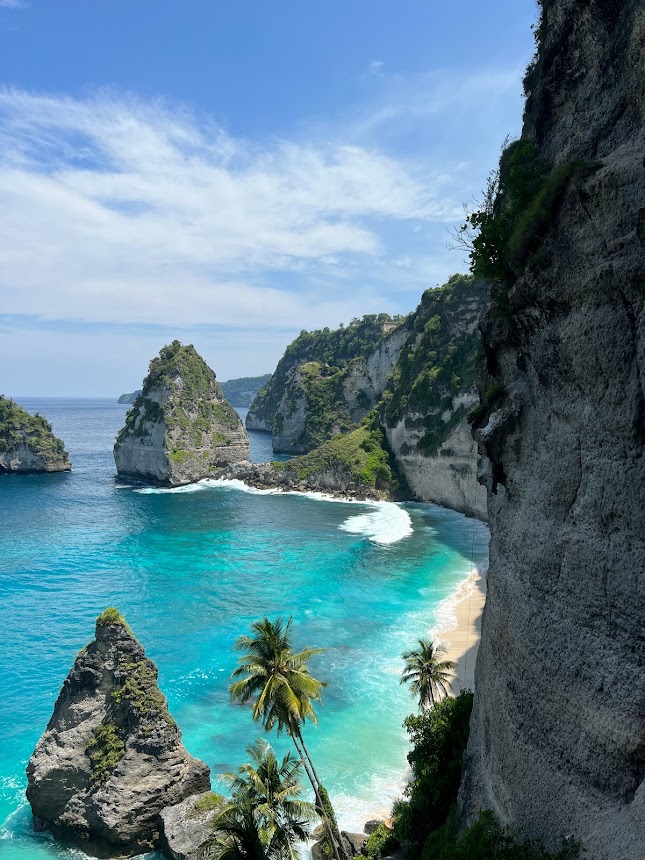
(485, 840)
(380, 843)
(517, 211)
(111, 615)
(439, 738)
(105, 751)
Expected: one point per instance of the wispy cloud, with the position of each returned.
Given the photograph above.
(124, 213)
(116, 210)
(13, 4)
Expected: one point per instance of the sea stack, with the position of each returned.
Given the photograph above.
(180, 429)
(27, 443)
(111, 758)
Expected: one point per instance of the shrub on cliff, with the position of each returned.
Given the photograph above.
(486, 839)
(439, 738)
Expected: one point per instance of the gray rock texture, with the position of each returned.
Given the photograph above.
(557, 742)
(184, 826)
(111, 757)
(180, 429)
(426, 403)
(27, 442)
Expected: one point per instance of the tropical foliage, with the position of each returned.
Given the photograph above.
(428, 676)
(439, 738)
(267, 817)
(276, 681)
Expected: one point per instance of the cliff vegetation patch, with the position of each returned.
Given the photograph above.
(105, 751)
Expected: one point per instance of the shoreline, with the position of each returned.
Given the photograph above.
(461, 638)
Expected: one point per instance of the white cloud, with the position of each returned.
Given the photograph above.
(376, 66)
(13, 4)
(115, 210)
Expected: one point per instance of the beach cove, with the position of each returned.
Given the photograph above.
(191, 568)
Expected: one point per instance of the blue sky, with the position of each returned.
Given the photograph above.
(230, 173)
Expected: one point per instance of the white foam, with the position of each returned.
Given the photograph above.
(236, 484)
(386, 524)
(445, 613)
(185, 488)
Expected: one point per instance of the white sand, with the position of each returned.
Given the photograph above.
(462, 641)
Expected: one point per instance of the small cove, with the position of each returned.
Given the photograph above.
(191, 570)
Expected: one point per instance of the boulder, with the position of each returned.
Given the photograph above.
(111, 757)
(184, 826)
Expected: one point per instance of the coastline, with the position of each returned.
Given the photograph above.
(460, 636)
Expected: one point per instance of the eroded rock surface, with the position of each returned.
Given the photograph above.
(111, 757)
(180, 429)
(186, 825)
(557, 743)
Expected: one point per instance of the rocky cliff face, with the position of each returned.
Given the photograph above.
(432, 390)
(111, 758)
(180, 429)
(557, 744)
(326, 381)
(27, 443)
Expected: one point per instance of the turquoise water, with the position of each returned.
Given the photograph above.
(191, 569)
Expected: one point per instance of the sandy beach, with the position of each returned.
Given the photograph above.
(461, 638)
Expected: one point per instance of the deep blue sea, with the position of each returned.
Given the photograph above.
(191, 568)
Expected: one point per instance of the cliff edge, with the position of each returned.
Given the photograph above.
(111, 757)
(27, 442)
(557, 743)
(180, 429)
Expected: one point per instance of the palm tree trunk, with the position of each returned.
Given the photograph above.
(306, 761)
(333, 823)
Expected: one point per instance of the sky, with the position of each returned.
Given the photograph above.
(229, 174)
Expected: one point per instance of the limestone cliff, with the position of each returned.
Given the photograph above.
(180, 429)
(326, 381)
(557, 744)
(111, 758)
(425, 406)
(27, 442)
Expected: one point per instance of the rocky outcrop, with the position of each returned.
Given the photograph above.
(426, 404)
(130, 397)
(326, 382)
(557, 742)
(180, 429)
(447, 478)
(27, 442)
(184, 826)
(111, 757)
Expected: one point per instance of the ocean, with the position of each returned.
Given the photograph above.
(191, 568)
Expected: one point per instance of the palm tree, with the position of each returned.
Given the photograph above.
(428, 676)
(266, 819)
(273, 788)
(278, 683)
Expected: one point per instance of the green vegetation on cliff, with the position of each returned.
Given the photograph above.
(437, 363)
(17, 426)
(517, 212)
(361, 457)
(323, 358)
(182, 372)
